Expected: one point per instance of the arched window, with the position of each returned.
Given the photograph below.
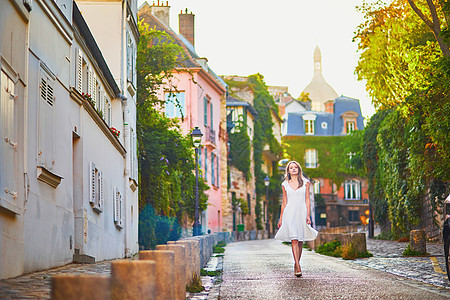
(352, 189)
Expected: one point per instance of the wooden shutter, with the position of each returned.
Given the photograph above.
(45, 121)
(100, 195)
(92, 183)
(8, 143)
(79, 71)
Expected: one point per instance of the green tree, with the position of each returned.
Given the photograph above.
(165, 155)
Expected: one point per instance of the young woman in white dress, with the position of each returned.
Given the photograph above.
(295, 220)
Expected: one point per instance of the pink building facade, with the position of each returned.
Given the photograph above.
(197, 98)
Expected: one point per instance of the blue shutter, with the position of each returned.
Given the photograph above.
(205, 111)
(217, 180)
(211, 115)
(212, 169)
(206, 163)
(200, 161)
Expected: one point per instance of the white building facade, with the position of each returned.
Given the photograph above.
(68, 188)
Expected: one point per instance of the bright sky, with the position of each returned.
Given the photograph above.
(277, 39)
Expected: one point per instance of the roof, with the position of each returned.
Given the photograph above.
(231, 101)
(191, 54)
(93, 48)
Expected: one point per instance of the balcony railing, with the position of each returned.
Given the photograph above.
(210, 135)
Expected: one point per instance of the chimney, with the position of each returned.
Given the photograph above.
(161, 12)
(329, 106)
(186, 26)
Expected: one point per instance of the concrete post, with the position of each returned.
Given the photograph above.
(133, 280)
(358, 240)
(417, 241)
(165, 274)
(189, 254)
(180, 268)
(85, 286)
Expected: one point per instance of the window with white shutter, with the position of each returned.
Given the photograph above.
(92, 183)
(118, 208)
(79, 71)
(8, 143)
(96, 191)
(46, 120)
(133, 156)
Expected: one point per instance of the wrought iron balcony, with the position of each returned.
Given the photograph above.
(210, 135)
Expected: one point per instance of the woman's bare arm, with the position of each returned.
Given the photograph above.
(308, 205)
(283, 205)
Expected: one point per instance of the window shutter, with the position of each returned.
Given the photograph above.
(122, 212)
(45, 121)
(79, 71)
(206, 163)
(8, 143)
(205, 111)
(212, 170)
(100, 195)
(92, 183)
(211, 112)
(94, 91)
(116, 205)
(217, 179)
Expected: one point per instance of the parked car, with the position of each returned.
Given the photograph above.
(446, 234)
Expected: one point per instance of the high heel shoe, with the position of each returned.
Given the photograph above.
(298, 274)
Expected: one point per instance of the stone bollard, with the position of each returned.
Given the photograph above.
(85, 286)
(180, 268)
(165, 273)
(417, 241)
(133, 279)
(190, 259)
(358, 241)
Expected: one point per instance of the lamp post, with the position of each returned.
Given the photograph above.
(197, 139)
(266, 210)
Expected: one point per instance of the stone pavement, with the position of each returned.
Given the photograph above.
(387, 256)
(37, 285)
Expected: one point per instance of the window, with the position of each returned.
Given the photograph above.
(206, 163)
(8, 142)
(133, 156)
(131, 60)
(316, 186)
(249, 203)
(213, 181)
(175, 105)
(96, 193)
(311, 158)
(119, 208)
(309, 126)
(352, 190)
(350, 127)
(353, 215)
(46, 120)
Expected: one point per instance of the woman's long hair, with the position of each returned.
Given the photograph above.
(287, 175)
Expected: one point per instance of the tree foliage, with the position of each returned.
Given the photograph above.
(166, 156)
(406, 145)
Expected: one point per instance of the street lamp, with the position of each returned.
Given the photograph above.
(266, 210)
(197, 139)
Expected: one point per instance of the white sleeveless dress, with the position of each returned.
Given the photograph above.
(294, 226)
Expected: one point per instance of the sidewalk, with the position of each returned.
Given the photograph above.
(387, 256)
(38, 285)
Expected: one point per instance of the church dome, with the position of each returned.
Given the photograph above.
(318, 89)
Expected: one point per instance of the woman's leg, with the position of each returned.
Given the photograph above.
(300, 249)
(296, 253)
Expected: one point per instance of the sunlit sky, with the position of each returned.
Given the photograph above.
(277, 39)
